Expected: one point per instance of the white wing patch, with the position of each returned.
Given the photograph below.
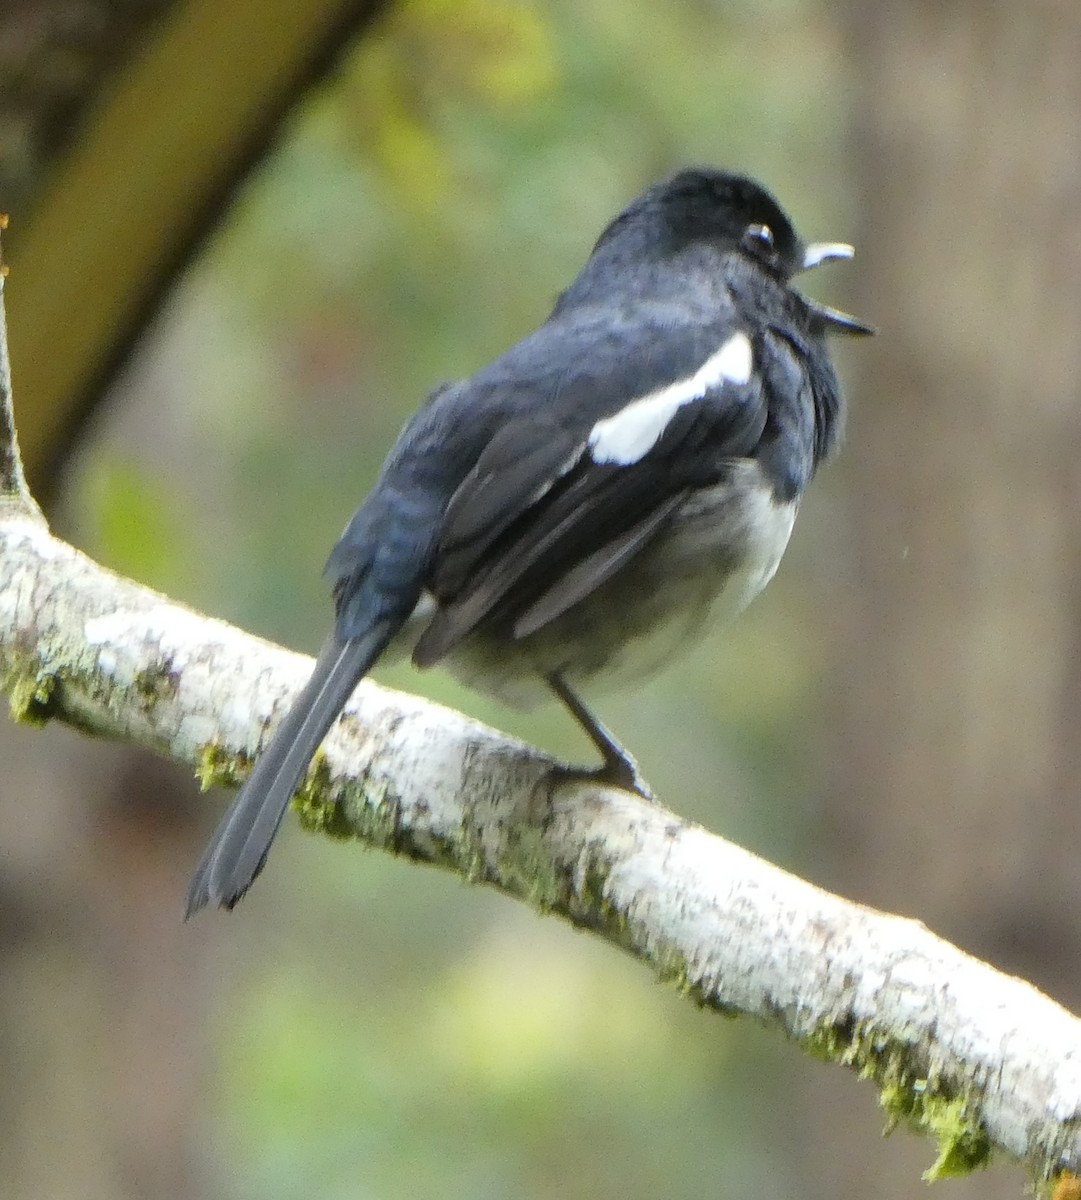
(633, 431)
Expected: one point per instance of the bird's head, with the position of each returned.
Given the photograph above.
(727, 212)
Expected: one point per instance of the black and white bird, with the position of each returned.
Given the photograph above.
(582, 505)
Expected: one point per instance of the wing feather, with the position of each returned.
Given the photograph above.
(593, 570)
(543, 518)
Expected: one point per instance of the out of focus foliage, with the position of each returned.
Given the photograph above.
(407, 1035)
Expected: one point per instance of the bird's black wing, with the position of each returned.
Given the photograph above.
(565, 495)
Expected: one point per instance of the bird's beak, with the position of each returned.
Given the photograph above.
(832, 320)
(820, 252)
(828, 319)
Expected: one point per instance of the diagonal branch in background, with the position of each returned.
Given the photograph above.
(178, 101)
(978, 1059)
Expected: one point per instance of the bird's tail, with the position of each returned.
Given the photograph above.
(237, 851)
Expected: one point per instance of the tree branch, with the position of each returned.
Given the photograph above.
(977, 1059)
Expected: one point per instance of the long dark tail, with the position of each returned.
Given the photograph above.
(237, 851)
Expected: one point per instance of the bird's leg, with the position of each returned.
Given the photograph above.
(619, 769)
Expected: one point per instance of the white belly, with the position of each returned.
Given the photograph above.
(722, 548)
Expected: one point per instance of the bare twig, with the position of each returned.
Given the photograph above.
(13, 489)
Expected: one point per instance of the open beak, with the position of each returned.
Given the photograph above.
(820, 252)
(832, 319)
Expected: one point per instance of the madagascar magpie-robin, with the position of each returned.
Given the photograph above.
(630, 469)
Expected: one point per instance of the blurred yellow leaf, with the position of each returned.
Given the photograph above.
(498, 50)
(134, 522)
(428, 57)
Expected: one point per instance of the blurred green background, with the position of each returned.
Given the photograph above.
(363, 1029)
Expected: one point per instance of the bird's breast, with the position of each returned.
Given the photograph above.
(717, 551)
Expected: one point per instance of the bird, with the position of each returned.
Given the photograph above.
(583, 506)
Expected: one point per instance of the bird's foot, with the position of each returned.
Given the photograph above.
(619, 770)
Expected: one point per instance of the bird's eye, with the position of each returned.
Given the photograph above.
(758, 239)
